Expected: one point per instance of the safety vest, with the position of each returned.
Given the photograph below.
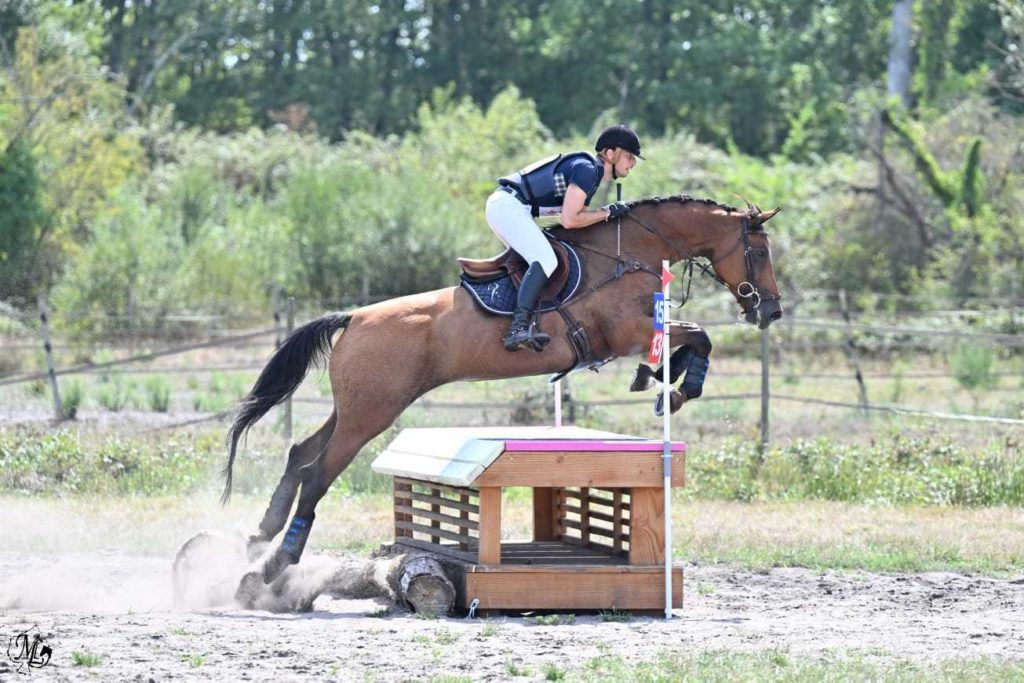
(543, 186)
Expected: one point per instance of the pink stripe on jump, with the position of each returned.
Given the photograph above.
(575, 445)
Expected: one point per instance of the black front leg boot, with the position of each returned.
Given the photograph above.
(643, 378)
(523, 332)
(290, 550)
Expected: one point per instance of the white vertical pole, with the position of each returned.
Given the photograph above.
(558, 403)
(666, 448)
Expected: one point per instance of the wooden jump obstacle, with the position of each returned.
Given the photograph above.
(598, 515)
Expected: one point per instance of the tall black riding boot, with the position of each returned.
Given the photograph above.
(523, 331)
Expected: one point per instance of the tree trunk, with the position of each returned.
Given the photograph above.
(901, 51)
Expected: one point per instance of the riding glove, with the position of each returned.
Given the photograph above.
(617, 209)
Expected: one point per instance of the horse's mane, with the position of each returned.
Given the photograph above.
(680, 199)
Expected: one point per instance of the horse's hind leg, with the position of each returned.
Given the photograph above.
(344, 444)
(300, 455)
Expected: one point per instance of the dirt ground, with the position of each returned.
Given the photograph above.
(120, 608)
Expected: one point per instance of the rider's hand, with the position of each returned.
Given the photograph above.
(617, 209)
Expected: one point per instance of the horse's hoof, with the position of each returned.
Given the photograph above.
(643, 378)
(249, 588)
(276, 564)
(675, 402)
(255, 547)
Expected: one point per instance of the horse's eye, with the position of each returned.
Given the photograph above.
(761, 252)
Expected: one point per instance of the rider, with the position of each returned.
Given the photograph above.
(562, 184)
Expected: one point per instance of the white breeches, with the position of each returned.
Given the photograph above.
(510, 219)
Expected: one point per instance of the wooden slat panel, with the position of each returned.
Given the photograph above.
(401, 488)
(464, 514)
(438, 517)
(618, 521)
(441, 549)
(595, 515)
(435, 508)
(647, 535)
(490, 525)
(595, 530)
(526, 587)
(605, 469)
(461, 504)
(432, 532)
(584, 526)
(457, 490)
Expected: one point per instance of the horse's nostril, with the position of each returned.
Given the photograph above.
(776, 315)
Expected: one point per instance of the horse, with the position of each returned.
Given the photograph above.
(382, 357)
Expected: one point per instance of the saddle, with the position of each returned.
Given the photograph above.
(513, 265)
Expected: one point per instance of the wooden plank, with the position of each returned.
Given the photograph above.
(591, 530)
(611, 469)
(543, 513)
(435, 509)
(647, 533)
(560, 498)
(618, 521)
(461, 504)
(457, 490)
(441, 549)
(604, 517)
(584, 517)
(490, 525)
(438, 517)
(525, 587)
(401, 488)
(432, 532)
(464, 515)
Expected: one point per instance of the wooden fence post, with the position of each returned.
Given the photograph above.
(45, 327)
(275, 306)
(851, 349)
(765, 391)
(288, 403)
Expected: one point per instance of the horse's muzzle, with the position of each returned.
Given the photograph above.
(767, 312)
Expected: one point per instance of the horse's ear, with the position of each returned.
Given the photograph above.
(762, 218)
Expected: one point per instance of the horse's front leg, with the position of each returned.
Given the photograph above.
(691, 358)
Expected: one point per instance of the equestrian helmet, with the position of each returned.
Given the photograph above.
(619, 136)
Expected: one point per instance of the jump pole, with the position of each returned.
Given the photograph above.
(666, 448)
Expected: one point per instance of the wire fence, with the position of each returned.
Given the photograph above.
(795, 337)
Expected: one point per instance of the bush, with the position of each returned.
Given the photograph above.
(72, 399)
(113, 395)
(158, 394)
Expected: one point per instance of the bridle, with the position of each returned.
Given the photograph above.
(744, 290)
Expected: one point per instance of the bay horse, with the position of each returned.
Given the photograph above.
(382, 357)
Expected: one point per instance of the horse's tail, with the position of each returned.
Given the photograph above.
(281, 377)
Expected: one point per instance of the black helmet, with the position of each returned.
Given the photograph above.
(619, 136)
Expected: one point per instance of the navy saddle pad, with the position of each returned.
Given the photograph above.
(498, 294)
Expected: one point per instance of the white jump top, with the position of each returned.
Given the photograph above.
(457, 456)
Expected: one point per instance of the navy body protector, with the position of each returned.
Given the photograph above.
(542, 186)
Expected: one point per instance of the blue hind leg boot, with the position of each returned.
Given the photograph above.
(696, 373)
(290, 549)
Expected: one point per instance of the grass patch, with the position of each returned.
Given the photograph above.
(195, 661)
(778, 665)
(554, 619)
(86, 659)
(158, 394)
(513, 668)
(616, 615)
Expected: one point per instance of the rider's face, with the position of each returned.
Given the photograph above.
(623, 161)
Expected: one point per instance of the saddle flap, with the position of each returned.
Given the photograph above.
(510, 263)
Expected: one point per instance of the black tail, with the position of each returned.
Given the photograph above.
(281, 377)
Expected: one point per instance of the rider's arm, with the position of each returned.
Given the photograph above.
(575, 213)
